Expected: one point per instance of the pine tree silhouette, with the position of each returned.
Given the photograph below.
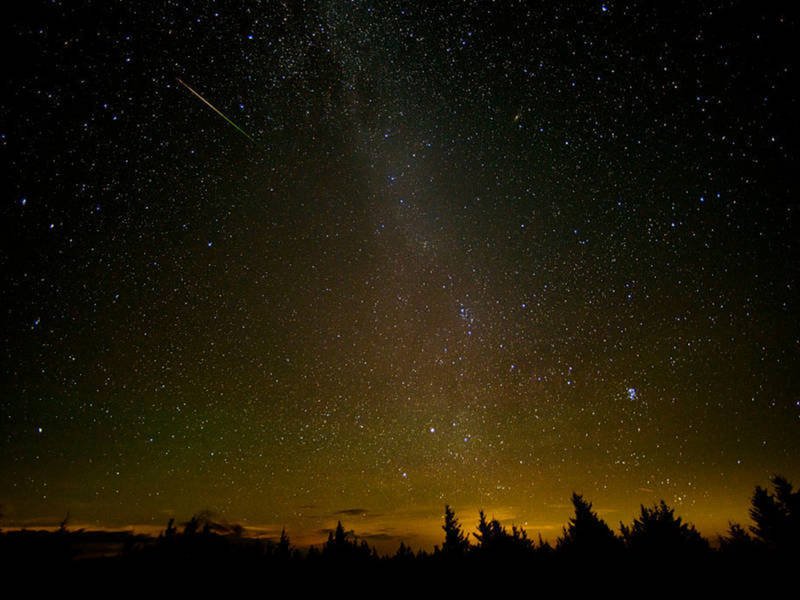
(777, 516)
(171, 531)
(587, 533)
(494, 541)
(191, 527)
(737, 542)
(484, 534)
(658, 531)
(455, 542)
(340, 547)
(337, 545)
(404, 553)
(62, 527)
(283, 551)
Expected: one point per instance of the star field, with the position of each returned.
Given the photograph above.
(482, 253)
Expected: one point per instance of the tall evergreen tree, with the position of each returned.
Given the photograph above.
(455, 541)
(171, 531)
(404, 553)
(284, 549)
(587, 533)
(777, 516)
(737, 543)
(658, 531)
(340, 547)
(496, 542)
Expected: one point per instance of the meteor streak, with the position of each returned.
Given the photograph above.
(215, 109)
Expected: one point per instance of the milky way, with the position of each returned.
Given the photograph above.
(483, 253)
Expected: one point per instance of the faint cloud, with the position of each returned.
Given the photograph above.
(380, 537)
(360, 512)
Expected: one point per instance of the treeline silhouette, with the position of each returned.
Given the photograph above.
(656, 535)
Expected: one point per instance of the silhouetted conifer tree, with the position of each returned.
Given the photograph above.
(339, 547)
(484, 534)
(587, 533)
(737, 542)
(495, 541)
(455, 542)
(658, 531)
(404, 553)
(62, 528)
(777, 516)
(365, 550)
(336, 540)
(283, 550)
(191, 527)
(171, 531)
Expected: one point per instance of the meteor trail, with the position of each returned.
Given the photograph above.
(215, 109)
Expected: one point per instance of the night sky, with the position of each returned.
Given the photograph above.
(482, 253)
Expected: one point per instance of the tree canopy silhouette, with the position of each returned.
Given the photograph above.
(340, 547)
(210, 541)
(495, 541)
(737, 542)
(404, 553)
(456, 542)
(283, 550)
(587, 533)
(777, 516)
(658, 531)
